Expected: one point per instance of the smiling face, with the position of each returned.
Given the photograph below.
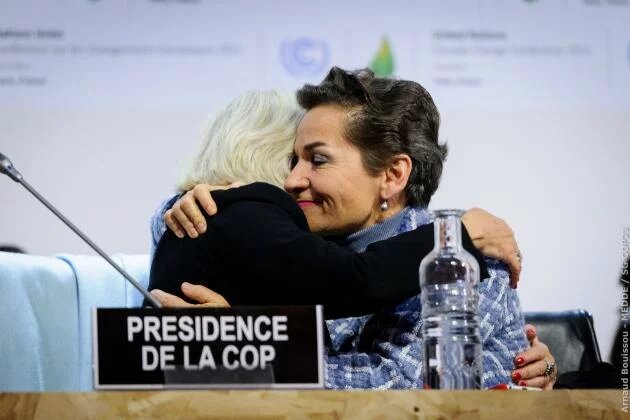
(328, 179)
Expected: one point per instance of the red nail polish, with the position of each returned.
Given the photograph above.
(522, 383)
(519, 361)
(516, 376)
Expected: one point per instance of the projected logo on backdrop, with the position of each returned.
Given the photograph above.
(305, 56)
(383, 62)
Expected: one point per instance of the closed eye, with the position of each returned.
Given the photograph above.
(318, 159)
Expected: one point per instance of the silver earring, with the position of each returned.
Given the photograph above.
(384, 205)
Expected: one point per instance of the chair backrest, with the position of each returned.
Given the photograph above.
(45, 316)
(570, 336)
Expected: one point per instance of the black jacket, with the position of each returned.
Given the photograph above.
(258, 250)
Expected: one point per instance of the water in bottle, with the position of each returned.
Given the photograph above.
(448, 288)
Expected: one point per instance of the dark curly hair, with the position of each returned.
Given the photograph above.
(386, 117)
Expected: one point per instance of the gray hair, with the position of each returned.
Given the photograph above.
(250, 140)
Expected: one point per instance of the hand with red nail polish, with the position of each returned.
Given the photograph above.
(533, 362)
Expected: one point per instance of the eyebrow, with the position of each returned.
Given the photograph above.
(308, 147)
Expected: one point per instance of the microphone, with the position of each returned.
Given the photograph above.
(7, 168)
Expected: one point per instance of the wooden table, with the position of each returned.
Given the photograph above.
(318, 404)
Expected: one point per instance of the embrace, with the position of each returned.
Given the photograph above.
(330, 207)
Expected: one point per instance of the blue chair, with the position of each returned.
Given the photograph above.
(45, 316)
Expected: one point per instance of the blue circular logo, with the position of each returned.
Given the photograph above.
(304, 56)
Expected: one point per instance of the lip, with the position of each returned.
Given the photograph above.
(306, 203)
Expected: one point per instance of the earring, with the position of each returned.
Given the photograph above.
(384, 205)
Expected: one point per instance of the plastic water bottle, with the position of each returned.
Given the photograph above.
(450, 309)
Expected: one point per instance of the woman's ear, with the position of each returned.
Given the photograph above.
(395, 178)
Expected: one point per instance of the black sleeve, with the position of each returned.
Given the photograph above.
(179, 260)
(278, 263)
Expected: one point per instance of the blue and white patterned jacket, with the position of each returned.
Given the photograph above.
(384, 350)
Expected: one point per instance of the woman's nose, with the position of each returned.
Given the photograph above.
(297, 180)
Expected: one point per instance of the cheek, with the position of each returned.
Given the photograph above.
(354, 205)
(329, 189)
(344, 194)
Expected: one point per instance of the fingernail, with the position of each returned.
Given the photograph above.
(186, 285)
(156, 292)
(516, 376)
(522, 383)
(193, 234)
(519, 361)
(201, 227)
(179, 234)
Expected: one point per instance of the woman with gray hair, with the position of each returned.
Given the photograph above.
(249, 140)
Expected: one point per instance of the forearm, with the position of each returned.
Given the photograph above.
(503, 326)
(385, 274)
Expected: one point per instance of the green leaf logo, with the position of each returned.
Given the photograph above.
(383, 62)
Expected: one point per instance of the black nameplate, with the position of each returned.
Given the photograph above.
(237, 347)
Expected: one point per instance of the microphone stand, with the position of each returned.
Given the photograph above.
(7, 168)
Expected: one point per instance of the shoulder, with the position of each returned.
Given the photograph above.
(257, 202)
(255, 193)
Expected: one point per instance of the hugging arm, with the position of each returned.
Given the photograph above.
(490, 234)
(507, 354)
(277, 262)
(269, 259)
(502, 325)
